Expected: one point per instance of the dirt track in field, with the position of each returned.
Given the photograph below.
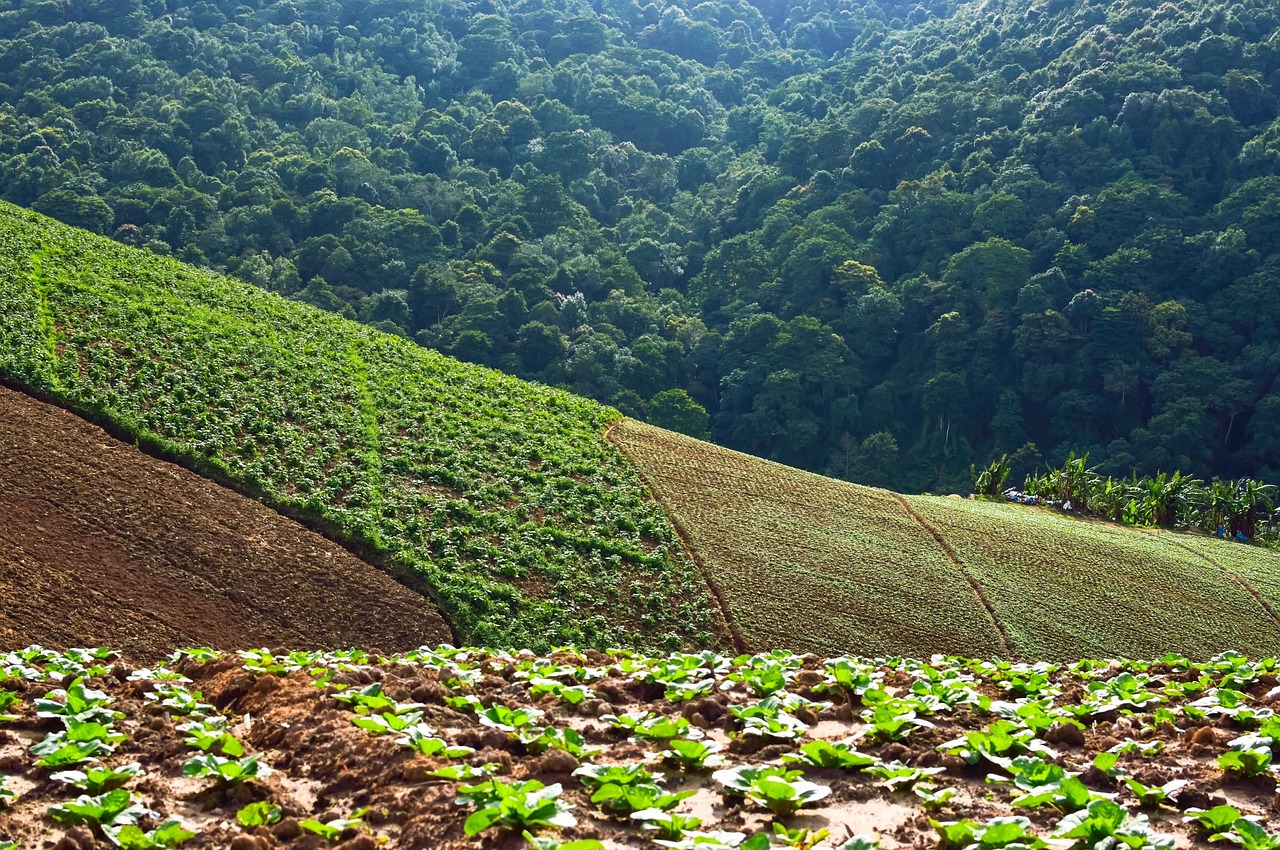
(102, 544)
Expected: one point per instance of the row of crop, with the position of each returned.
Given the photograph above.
(363, 431)
(896, 700)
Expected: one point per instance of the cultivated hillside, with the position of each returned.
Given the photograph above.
(813, 563)
(530, 527)
(101, 543)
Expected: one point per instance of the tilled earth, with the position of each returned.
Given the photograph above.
(1165, 719)
(101, 543)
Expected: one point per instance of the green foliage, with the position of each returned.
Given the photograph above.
(334, 830)
(227, 771)
(516, 804)
(96, 779)
(471, 485)
(262, 813)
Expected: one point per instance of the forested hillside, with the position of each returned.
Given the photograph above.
(876, 239)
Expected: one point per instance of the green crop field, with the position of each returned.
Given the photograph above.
(513, 510)
(808, 562)
(528, 525)
(1064, 587)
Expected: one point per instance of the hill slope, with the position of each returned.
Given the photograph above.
(532, 529)
(818, 564)
(106, 544)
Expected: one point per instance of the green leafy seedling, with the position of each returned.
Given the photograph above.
(1150, 796)
(227, 771)
(1215, 820)
(115, 808)
(333, 830)
(1250, 835)
(527, 804)
(826, 754)
(624, 800)
(422, 739)
(261, 813)
(167, 835)
(667, 825)
(545, 843)
(96, 780)
(692, 755)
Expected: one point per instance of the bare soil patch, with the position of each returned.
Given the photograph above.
(102, 544)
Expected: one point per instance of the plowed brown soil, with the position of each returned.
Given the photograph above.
(102, 544)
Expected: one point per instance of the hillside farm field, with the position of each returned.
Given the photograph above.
(814, 563)
(101, 543)
(456, 749)
(529, 527)
(806, 561)
(1064, 587)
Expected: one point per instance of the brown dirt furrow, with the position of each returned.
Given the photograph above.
(959, 565)
(102, 544)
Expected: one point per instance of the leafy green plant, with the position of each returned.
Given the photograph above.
(517, 804)
(261, 813)
(933, 798)
(545, 843)
(78, 702)
(1000, 741)
(692, 755)
(597, 775)
(422, 738)
(498, 716)
(96, 780)
(828, 754)
(1105, 821)
(336, 829)
(800, 838)
(169, 834)
(386, 723)
(1249, 835)
(1011, 832)
(625, 800)
(211, 735)
(1246, 762)
(667, 825)
(895, 775)
(464, 772)
(737, 781)
(1215, 820)
(227, 771)
(1152, 796)
(114, 808)
(778, 794)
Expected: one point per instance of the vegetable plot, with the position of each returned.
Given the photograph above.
(501, 496)
(212, 750)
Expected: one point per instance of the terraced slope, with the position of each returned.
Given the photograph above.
(818, 564)
(531, 528)
(809, 562)
(1064, 587)
(101, 543)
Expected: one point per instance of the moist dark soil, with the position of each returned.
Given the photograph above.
(101, 544)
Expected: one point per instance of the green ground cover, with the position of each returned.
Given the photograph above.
(528, 527)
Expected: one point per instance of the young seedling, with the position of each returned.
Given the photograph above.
(335, 829)
(737, 781)
(6, 795)
(544, 843)
(261, 813)
(96, 780)
(933, 798)
(826, 754)
(800, 838)
(78, 702)
(422, 738)
(624, 800)
(227, 771)
(1213, 821)
(779, 794)
(210, 735)
(115, 808)
(521, 804)
(667, 825)
(599, 775)
(167, 835)
(715, 840)
(1151, 796)
(1250, 835)
(692, 755)
(994, 834)
(386, 723)
(895, 775)
(1105, 823)
(464, 772)
(509, 720)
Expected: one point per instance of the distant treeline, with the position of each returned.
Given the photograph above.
(1244, 510)
(879, 240)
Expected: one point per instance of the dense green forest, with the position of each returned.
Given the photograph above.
(881, 240)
